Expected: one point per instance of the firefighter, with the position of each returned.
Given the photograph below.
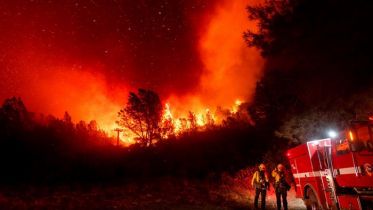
(261, 185)
(281, 186)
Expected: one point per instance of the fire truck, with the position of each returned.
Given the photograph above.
(336, 172)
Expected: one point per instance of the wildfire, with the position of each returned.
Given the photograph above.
(235, 108)
(167, 114)
(198, 119)
(238, 102)
(229, 71)
(176, 127)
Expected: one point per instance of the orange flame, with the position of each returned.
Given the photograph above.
(230, 71)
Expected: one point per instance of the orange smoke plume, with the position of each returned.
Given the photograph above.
(231, 69)
(230, 72)
(85, 96)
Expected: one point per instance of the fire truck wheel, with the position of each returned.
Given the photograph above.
(311, 203)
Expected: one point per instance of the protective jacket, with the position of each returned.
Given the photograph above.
(277, 175)
(260, 180)
(280, 183)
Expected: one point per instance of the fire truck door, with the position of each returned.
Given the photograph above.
(345, 168)
(294, 169)
(304, 173)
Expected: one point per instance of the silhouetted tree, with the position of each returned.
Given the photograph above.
(82, 127)
(167, 127)
(68, 124)
(183, 125)
(208, 120)
(14, 117)
(270, 15)
(316, 59)
(243, 114)
(265, 106)
(142, 115)
(192, 119)
(332, 115)
(230, 122)
(92, 126)
(222, 114)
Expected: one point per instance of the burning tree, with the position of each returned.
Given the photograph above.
(192, 119)
(208, 121)
(142, 115)
(168, 125)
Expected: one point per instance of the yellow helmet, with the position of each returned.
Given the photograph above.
(280, 167)
(262, 167)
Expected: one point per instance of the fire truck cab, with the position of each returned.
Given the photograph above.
(336, 173)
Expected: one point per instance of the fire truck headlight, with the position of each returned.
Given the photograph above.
(332, 134)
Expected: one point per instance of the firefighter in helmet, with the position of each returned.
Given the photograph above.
(281, 186)
(261, 185)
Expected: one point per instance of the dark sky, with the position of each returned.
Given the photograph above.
(155, 39)
(83, 56)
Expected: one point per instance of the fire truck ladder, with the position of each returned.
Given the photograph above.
(329, 177)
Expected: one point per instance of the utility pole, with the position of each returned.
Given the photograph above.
(118, 130)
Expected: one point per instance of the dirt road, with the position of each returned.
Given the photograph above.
(180, 195)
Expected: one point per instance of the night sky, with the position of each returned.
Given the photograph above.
(84, 56)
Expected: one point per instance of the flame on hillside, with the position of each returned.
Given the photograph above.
(230, 72)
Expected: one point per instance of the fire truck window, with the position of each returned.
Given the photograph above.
(342, 146)
(364, 136)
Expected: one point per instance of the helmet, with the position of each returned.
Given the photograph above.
(262, 167)
(280, 167)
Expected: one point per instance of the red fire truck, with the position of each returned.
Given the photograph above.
(336, 173)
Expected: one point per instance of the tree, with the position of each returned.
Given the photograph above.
(208, 120)
(92, 126)
(243, 114)
(313, 125)
(317, 59)
(315, 42)
(14, 116)
(183, 125)
(222, 114)
(142, 115)
(271, 15)
(68, 124)
(168, 125)
(332, 115)
(192, 119)
(82, 127)
(269, 104)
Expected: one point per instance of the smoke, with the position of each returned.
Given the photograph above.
(230, 68)
(85, 96)
(55, 87)
(52, 76)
